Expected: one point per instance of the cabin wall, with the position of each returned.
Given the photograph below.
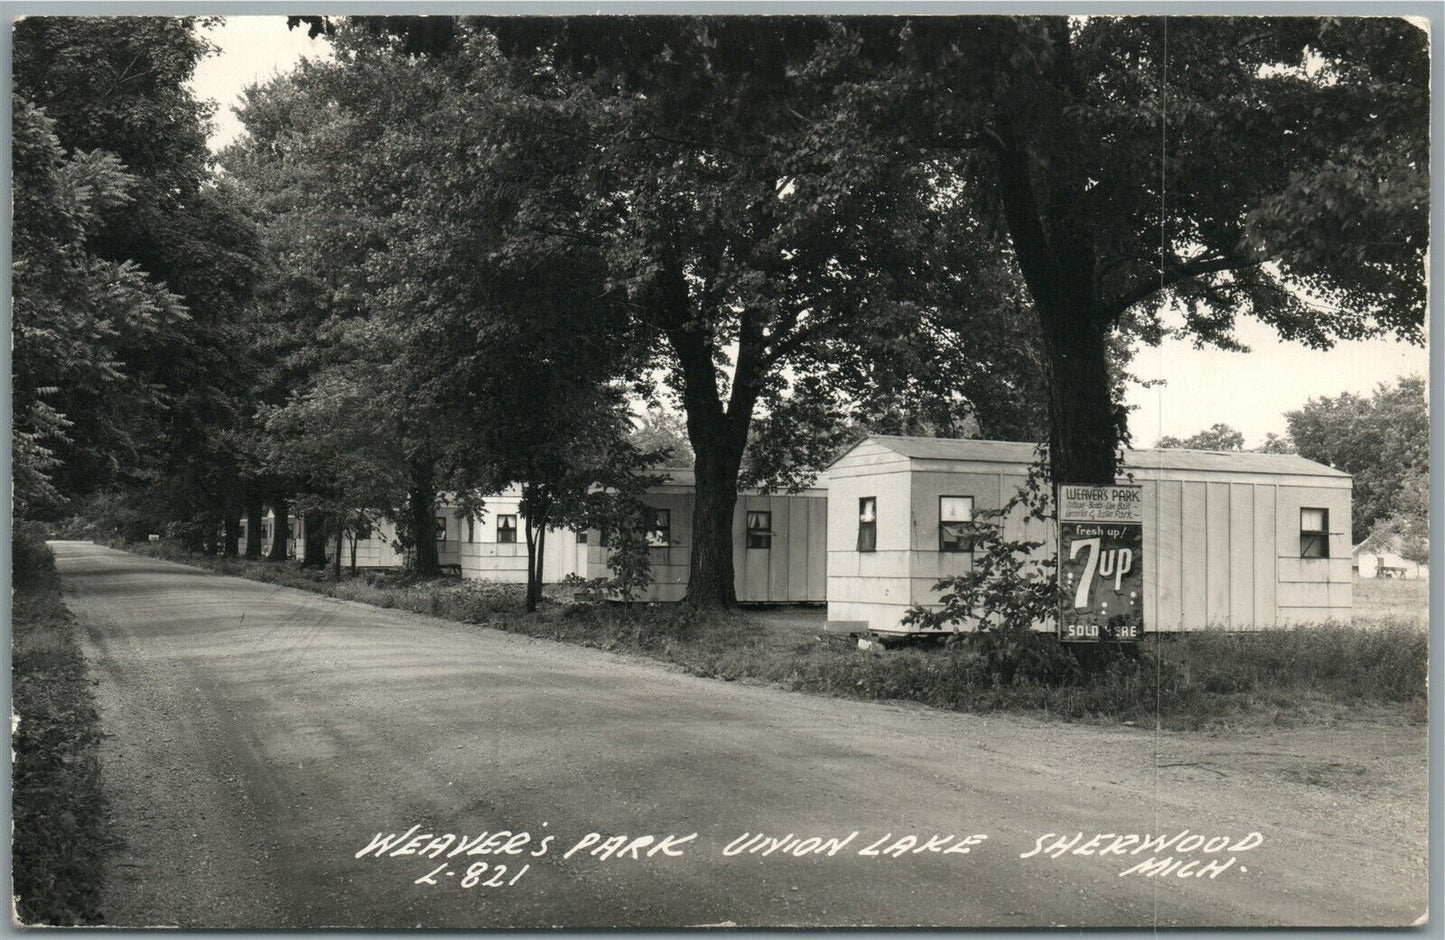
(483, 558)
(870, 587)
(792, 570)
(1221, 549)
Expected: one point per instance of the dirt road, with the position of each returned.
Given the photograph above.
(260, 738)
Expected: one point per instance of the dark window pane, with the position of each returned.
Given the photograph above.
(760, 530)
(955, 537)
(1314, 536)
(661, 533)
(867, 523)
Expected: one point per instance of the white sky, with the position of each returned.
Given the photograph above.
(253, 49)
(1250, 391)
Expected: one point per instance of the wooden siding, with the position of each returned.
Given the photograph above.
(792, 570)
(869, 585)
(1222, 544)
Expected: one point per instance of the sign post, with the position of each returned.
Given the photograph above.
(1101, 563)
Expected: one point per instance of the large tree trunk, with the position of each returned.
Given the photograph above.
(255, 518)
(313, 545)
(541, 565)
(530, 605)
(281, 509)
(336, 558)
(535, 525)
(718, 433)
(1084, 423)
(232, 524)
(421, 499)
(711, 578)
(1049, 226)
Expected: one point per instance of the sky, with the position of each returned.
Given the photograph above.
(1250, 391)
(253, 49)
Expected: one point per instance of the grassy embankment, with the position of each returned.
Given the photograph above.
(59, 809)
(1325, 672)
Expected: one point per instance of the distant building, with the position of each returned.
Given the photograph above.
(1384, 561)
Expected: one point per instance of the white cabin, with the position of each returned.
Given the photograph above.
(780, 553)
(1232, 541)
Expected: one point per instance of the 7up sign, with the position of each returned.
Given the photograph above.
(1101, 563)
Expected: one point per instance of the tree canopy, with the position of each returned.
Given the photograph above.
(1215, 437)
(1383, 441)
(130, 262)
(468, 239)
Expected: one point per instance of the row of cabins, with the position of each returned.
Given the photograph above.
(1232, 540)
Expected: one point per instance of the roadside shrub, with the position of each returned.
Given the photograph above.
(59, 808)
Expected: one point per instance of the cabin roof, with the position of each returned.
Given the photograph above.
(686, 476)
(1016, 452)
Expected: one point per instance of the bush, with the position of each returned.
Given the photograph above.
(59, 808)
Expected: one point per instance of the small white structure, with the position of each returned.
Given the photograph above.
(268, 522)
(780, 552)
(493, 546)
(1232, 541)
(490, 546)
(1385, 561)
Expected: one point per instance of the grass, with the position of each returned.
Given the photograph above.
(1324, 672)
(1388, 601)
(60, 830)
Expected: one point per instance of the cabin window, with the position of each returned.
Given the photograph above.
(660, 535)
(441, 522)
(1314, 533)
(581, 536)
(868, 524)
(507, 529)
(471, 529)
(760, 530)
(955, 523)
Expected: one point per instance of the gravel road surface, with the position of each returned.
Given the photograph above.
(260, 738)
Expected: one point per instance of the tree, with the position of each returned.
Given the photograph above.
(71, 308)
(335, 436)
(1406, 530)
(1382, 441)
(1215, 437)
(1136, 164)
(700, 158)
(114, 93)
(525, 352)
(1276, 444)
(324, 223)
